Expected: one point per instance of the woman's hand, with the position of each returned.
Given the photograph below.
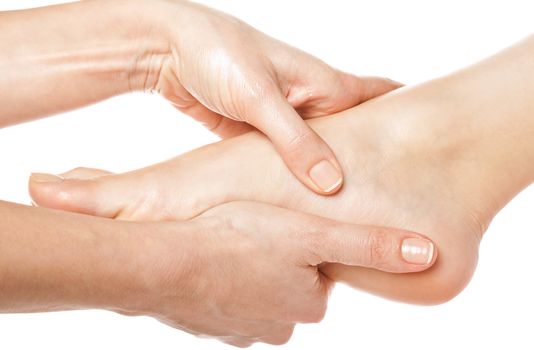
(247, 272)
(228, 75)
(210, 65)
(241, 272)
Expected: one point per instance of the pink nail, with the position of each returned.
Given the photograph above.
(417, 251)
(325, 175)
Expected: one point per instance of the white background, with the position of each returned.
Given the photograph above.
(410, 41)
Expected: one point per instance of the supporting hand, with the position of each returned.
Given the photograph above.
(241, 272)
(252, 270)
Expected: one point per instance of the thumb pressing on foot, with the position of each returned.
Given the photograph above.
(82, 190)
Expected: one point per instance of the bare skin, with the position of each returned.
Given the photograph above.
(196, 276)
(63, 57)
(441, 158)
(87, 51)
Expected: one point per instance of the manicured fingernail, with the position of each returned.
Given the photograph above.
(45, 178)
(417, 251)
(325, 176)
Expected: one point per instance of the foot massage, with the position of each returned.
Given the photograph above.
(324, 175)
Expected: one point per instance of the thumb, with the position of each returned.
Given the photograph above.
(307, 156)
(82, 190)
(385, 249)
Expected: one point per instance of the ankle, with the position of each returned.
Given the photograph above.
(484, 159)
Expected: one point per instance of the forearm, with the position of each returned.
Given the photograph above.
(58, 261)
(57, 58)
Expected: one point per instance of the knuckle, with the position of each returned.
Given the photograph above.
(316, 313)
(238, 343)
(295, 147)
(313, 240)
(378, 248)
(319, 313)
(283, 336)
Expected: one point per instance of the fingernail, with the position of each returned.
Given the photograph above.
(45, 178)
(417, 251)
(325, 176)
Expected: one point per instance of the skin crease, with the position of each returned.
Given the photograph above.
(439, 158)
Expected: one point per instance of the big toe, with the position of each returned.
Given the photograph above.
(82, 173)
(86, 191)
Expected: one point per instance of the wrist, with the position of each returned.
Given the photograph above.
(113, 277)
(94, 50)
(147, 46)
(170, 31)
(162, 272)
(60, 261)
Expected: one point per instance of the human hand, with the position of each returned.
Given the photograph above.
(241, 272)
(246, 272)
(208, 64)
(232, 77)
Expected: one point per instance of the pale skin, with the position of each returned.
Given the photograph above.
(197, 276)
(208, 64)
(441, 158)
(61, 57)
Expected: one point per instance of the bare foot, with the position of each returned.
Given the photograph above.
(415, 159)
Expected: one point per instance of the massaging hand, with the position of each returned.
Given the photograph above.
(208, 64)
(223, 73)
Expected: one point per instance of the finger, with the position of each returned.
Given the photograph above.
(266, 332)
(334, 91)
(236, 341)
(83, 193)
(228, 128)
(316, 89)
(308, 157)
(214, 122)
(385, 249)
(366, 88)
(280, 335)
